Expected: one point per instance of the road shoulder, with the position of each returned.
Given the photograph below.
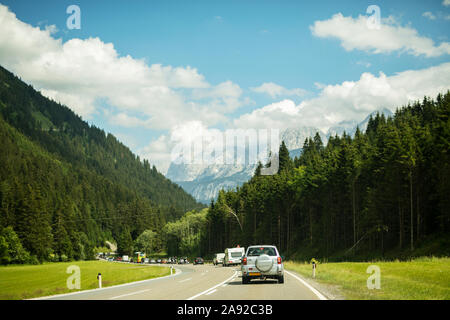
(329, 292)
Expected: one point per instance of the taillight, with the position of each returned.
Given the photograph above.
(279, 260)
(244, 262)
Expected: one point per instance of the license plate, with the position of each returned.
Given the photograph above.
(254, 274)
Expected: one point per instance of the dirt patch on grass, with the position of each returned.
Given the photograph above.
(332, 292)
(28, 295)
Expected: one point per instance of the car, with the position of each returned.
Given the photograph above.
(153, 261)
(262, 262)
(159, 261)
(199, 260)
(233, 256)
(145, 260)
(181, 261)
(218, 258)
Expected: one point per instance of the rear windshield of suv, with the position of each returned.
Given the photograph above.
(255, 252)
(236, 254)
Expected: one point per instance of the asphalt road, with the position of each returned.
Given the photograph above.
(201, 282)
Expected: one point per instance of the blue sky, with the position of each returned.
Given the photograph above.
(243, 41)
(247, 43)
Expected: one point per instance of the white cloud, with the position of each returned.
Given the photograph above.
(351, 100)
(355, 34)
(80, 72)
(446, 3)
(429, 15)
(158, 152)
(274, 90)
(167, 148)
(125, 120)
(224, 97)
(319, 85)
(283, 114)
(364, 63)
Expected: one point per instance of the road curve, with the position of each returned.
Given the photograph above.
(201, 282)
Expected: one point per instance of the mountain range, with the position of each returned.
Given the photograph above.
(203, 182)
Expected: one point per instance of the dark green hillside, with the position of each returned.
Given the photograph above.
(66, 186)
(64, 134)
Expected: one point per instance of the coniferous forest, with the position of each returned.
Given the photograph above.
(383, 193)
(67, 186)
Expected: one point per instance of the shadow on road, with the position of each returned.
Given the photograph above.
(255, 282)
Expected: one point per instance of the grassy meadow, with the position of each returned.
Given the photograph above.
(31, 281)
(418, 279)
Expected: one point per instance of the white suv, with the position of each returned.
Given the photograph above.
(262, 262)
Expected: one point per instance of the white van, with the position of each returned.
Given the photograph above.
(233, 256)
(218, 258)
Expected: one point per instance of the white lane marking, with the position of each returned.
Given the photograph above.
(317, 293)
(214, 287)
(211, 292)
(129, 294)
(225, 285)
(185, 280)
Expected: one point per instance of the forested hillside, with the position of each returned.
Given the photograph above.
(66, 186)
(382, 193)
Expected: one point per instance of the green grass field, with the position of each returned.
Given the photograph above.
(419, 279)
(31, 281)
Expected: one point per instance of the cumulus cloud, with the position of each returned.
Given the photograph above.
(274, 90)
(225, 97)
(351, 100)
(446, 3)
(170, 147)
(355, 34)
(158, 151)
(80, 72)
